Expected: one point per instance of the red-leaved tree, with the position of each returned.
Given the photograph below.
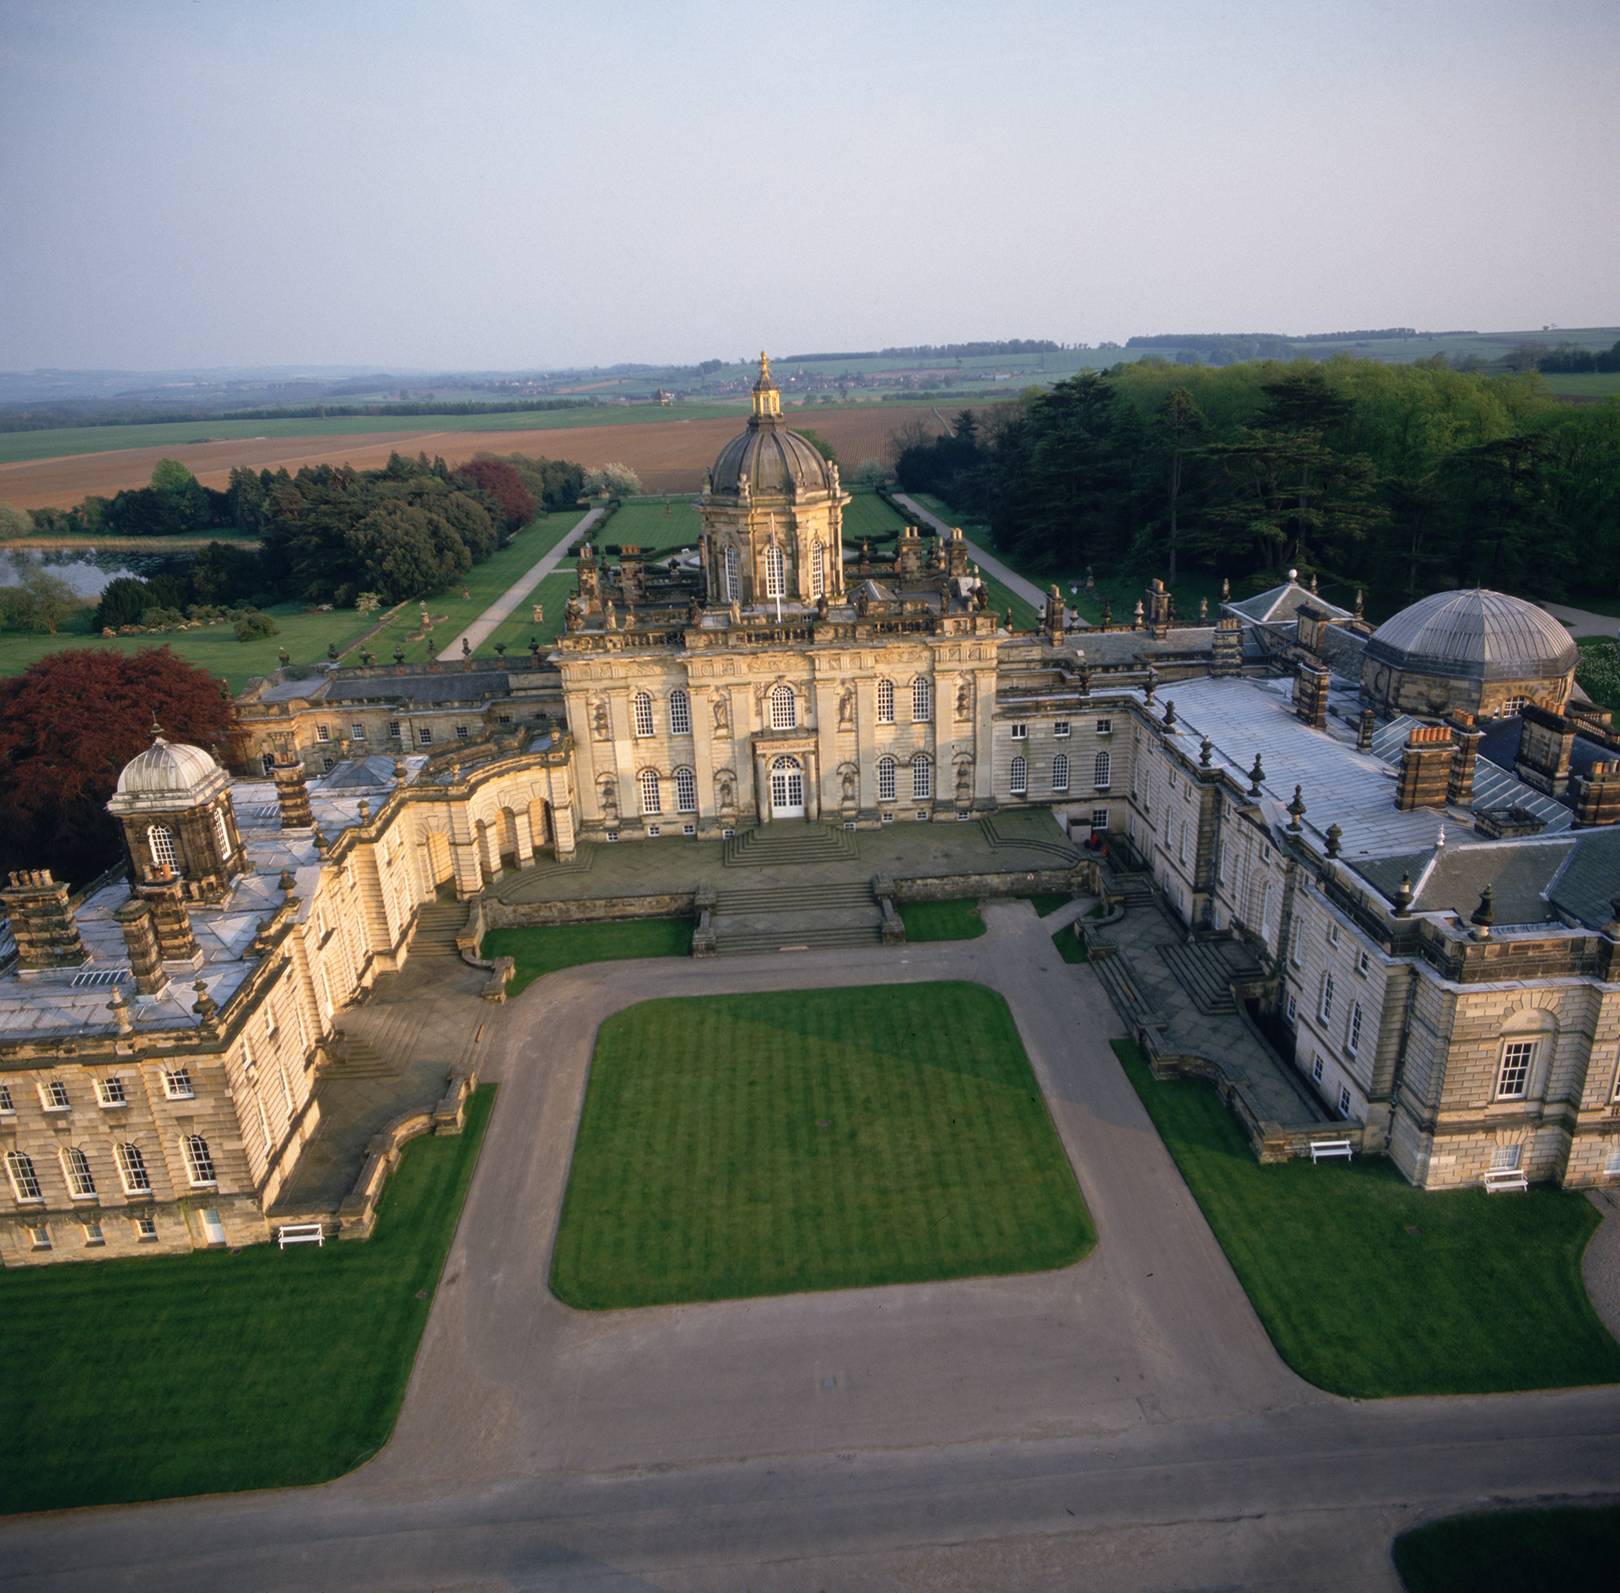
(68, 725)
(503, 486)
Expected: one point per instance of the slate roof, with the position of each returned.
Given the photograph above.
(1281, 605)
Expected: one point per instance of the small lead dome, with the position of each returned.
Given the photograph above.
(168, 775)
(1475, 635)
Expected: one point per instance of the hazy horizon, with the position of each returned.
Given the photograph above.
(498, 185)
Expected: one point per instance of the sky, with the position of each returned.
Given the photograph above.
(504, 184)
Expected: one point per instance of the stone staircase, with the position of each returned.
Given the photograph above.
(353, 1058)
(1118, 979)
(437, 925)
(787, 843)
(1203, 973)
(1134, 890)
(1008, 833)
(791, 918)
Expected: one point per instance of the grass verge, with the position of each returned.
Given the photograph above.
(733, 1146)
(540, 950)
(958, 919)
(1530, 1551)
(1369, 1287)
(215, 1372)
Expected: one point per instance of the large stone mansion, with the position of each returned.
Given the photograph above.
(1410, 829)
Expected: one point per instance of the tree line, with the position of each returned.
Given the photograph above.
(1403, 479)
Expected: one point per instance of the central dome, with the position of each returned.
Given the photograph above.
(775, 461)
(1475, 635)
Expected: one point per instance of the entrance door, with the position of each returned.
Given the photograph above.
(787, 789)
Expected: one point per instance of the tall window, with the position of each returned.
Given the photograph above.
(1513, 1077)
(818, 569)
(651, 802)
(733, 576)
(922, 777)
(922, 700)
(160, 839)
(1060, 772)
(885, 779)
(264, 1128)
(1352, 1039)
(680, 713)
(222, 836)
(784, 708)
(775, 572)
(1324, 1005)
(643, 714)
(199, 1160)
(24, 1180)
(685, 791)
(1101, 772)
(1020, 775)
(885, 702)
(132, 1171)
(81, 1181)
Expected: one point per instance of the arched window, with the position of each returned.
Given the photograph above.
(81, 1181)
(24, 1180)
(922, 777)
(643, 714)
(885, 779)
(733, 576)
(775, 572)
(680, 713)
(199, 1160)
(222, 836)
(651, 801)
(685, 791)
(1020, 775)
(818, 569)
(784, 708)
(132, 1171)
(1060, 772)
(1100, 772)
(922, 700)
(885, 702)
(160, 841)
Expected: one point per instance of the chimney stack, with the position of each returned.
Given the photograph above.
(1546, 745)
(145, 960)
(171, 920)
(42, 921)
(1311, 695)
(292, 793)
(1425, 768)
(1597, 794)
(1227, 646)
(1364, 730)
(1460, 789)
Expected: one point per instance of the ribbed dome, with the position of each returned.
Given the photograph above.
(774, 459)
(1475, 635)
(168, 775)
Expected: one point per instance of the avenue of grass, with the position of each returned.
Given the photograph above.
(1370, 1287)
(1531, 1551)
(214, 1372)
(537, 950)
(661, 525)
(735, 1146)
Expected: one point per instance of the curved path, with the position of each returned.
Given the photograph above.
(1017, 584)
(479, 631)
(1583, 622)
(1122, 1422)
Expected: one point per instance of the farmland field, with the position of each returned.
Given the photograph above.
(1584, 384)
(670, 455)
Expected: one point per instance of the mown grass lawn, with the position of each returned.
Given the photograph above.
(216, 1372)
(543, 949)
(958, 919)
(1369, 1287)
(744, 1145)
(1530, 1551)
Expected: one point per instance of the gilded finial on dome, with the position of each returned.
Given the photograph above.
(767, 401)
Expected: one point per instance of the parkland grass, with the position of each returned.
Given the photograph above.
(868, 515)
(1369, 1287)
(1530, 1551)
(958, 919)
(1598, 672)
(661, 525)
(537, 950)
(265, 1368)
(734, 1146)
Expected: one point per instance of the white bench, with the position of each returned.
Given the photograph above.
(1499, 1179)
(301, 1233)
(1325, 1149)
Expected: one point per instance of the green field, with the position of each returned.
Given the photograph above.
(733, 1146)
(868, 515)
(1530, 1551)
(262, 1368)
(17, 445)
(661, 525)
(952, 920)
(537, 950)
(1598, 672)
(1369, 1287)
(1583, 384)
(306, 634)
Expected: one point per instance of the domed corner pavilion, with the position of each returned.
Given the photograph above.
(1476, 651)
(773, 512)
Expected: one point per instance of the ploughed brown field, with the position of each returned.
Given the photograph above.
(668, 455)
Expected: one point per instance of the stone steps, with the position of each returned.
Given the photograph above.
(791, 939)
(1202, 972)
(782, 899)
(788, 843)
(1120, 982)
(1004, 836)
(354, 1058)
(1135, 890)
